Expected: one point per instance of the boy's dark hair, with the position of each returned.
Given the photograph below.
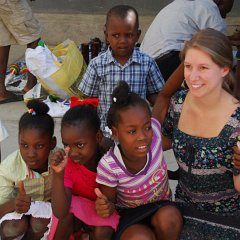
(122, 12)
(37, 117)
(123, 98)
(83, 113)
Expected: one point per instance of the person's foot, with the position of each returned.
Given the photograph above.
(32, 81)
(27, 88)
(8, 97)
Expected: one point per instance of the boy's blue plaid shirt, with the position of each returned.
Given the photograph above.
(103, 73)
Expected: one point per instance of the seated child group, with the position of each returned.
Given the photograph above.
(107, 177)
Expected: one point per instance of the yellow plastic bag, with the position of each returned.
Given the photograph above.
(65, 81)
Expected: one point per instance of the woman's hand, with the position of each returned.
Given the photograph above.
(236, 156)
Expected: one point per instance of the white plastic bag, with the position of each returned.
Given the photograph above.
(57, 109)
(41, 61)
(60, 70)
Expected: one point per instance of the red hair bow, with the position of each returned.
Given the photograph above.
(74, 101)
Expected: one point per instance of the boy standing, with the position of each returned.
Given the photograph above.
(122, 61)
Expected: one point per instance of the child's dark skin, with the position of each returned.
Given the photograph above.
(35, 146)
(122, 35)
(134, 134)
(82, 146)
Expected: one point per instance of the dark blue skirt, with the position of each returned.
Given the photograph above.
(141, 214)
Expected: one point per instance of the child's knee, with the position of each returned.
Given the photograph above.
(168, 218)
(67, 220)
(14, 228)
(39, 225)
(103, 233)
(65, 227)
(138, 232)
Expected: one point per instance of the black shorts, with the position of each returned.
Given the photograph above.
(141, 214)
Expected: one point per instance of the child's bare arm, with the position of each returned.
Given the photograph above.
(166, 143)
(61, 196)
(105, 202)
(20, 204)
(172, 85)
(152, 98)
(7, 207)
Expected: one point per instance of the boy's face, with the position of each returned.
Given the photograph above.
(122, 36)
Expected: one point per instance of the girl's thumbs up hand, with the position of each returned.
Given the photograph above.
(22, 200)
(104, 207)
(21, 188)
(100, 195)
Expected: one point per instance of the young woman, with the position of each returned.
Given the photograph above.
(203, 126)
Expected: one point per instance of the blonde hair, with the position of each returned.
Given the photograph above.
(219, 48)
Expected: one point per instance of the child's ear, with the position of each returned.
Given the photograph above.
(114, 133)
(139, 33)
(53, 143)
(106, 36)
(99, 136)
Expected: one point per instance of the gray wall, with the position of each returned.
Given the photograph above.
(144, 7)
